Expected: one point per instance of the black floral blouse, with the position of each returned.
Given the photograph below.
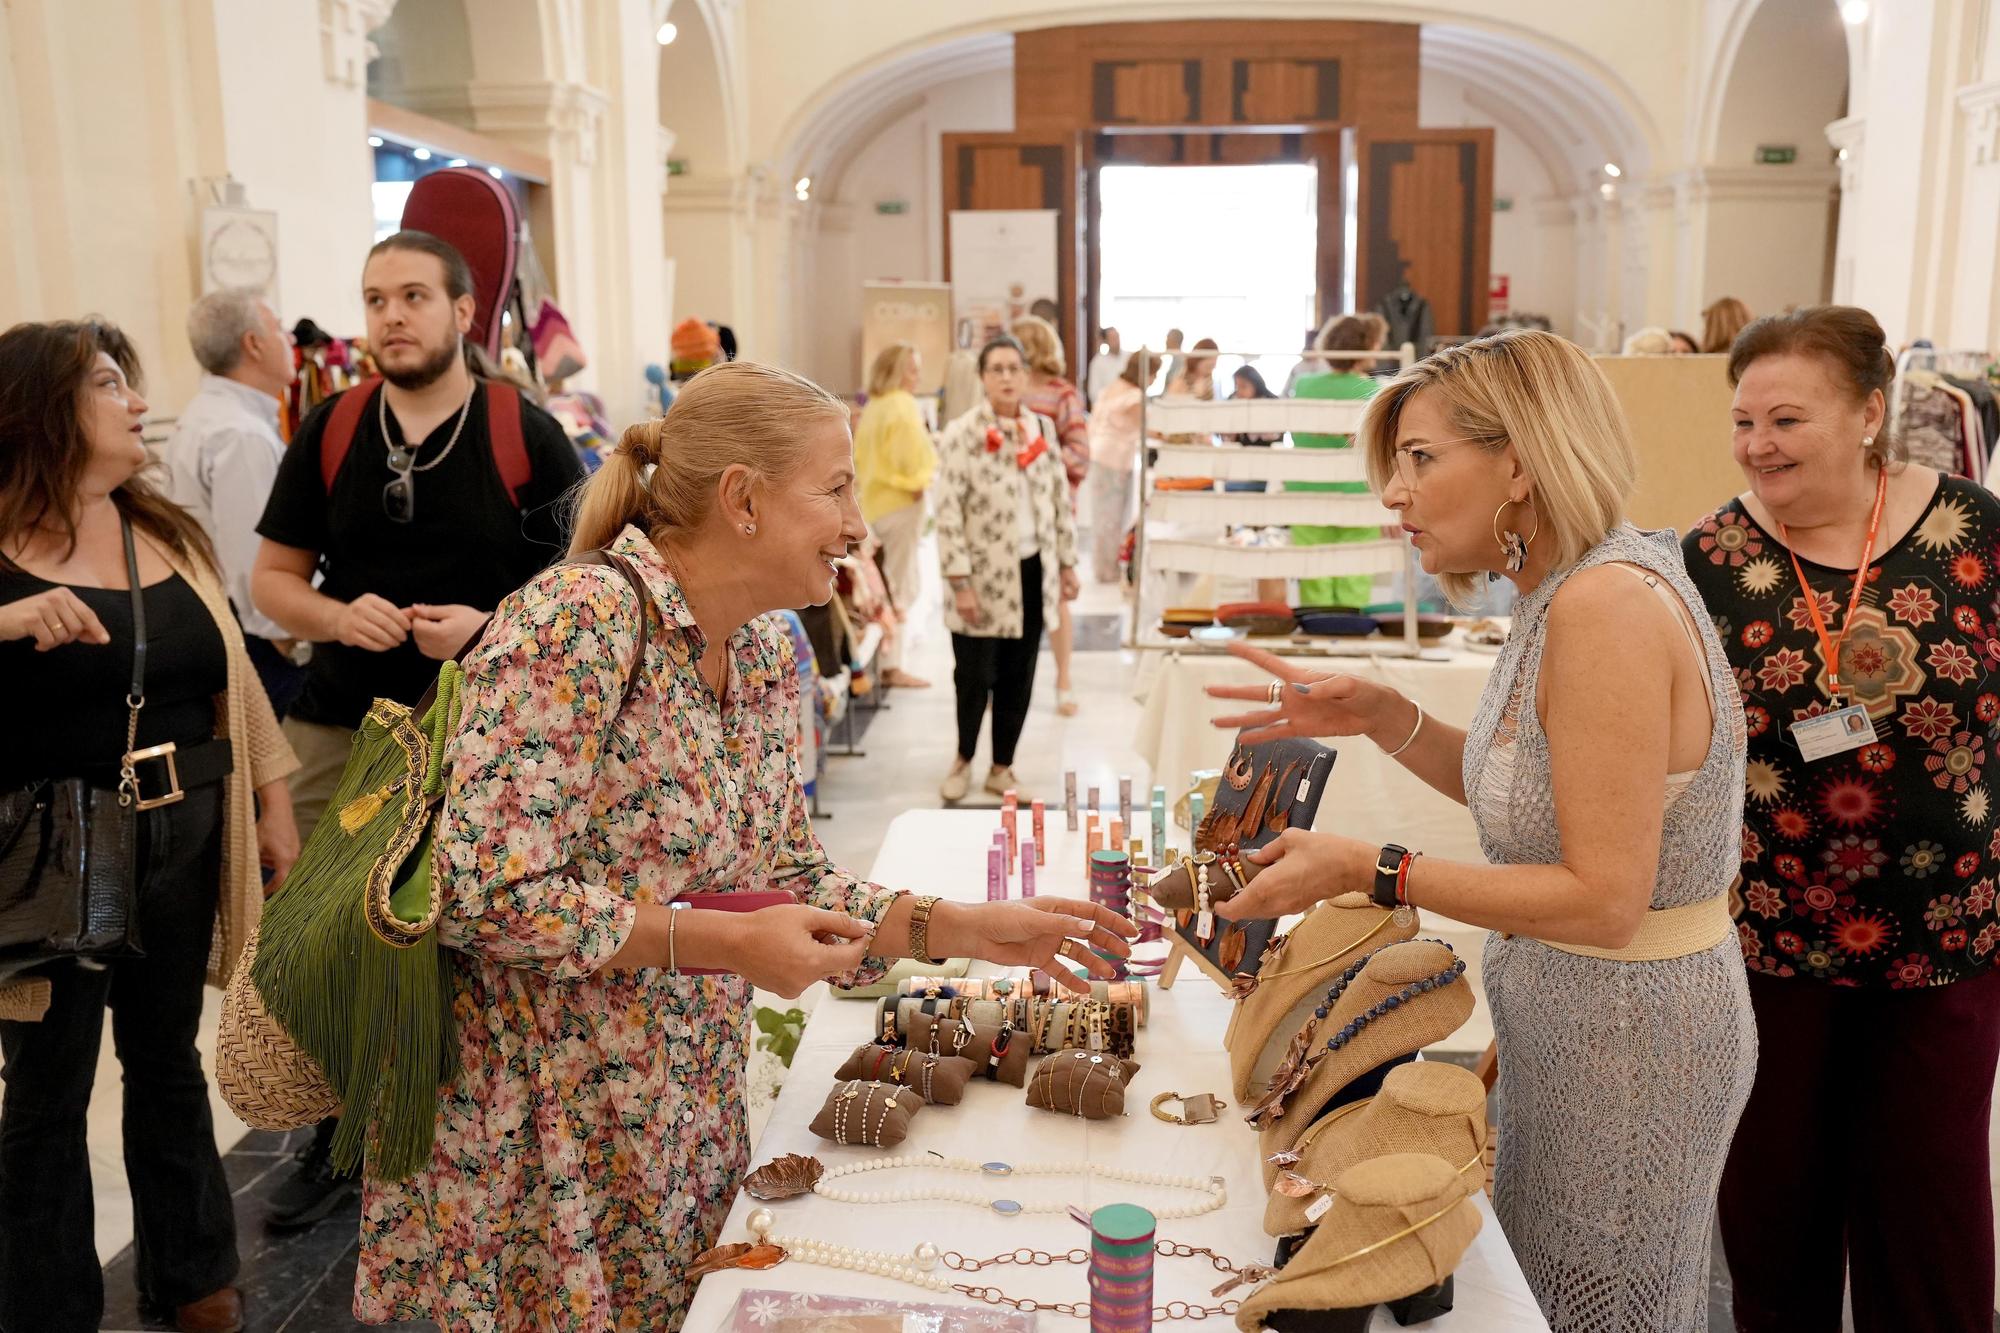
(1875, 867)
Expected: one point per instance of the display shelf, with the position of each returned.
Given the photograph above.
(1274, 562)
(1251, 462)
(1273, 508)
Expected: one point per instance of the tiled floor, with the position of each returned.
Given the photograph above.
(302, 1283)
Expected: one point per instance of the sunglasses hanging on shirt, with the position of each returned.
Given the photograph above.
(399, 497)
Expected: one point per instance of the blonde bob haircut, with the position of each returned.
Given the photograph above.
(886, 375)
(1543, 395)
(736, 413)
(1042, 343)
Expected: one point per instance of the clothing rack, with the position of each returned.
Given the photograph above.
(1942, 406)
(1274, 465)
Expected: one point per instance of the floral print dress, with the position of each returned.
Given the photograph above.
(595, 1136)
(1874, 868)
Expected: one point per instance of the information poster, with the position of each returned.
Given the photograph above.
(918, 313)
(1002, 263)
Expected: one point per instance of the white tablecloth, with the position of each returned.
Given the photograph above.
(943, 851)
(1370, 797)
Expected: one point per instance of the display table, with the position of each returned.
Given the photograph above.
(943, 851)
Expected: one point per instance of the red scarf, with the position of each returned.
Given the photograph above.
(1035, 447)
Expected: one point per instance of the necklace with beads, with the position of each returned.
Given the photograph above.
(1214, 1189)
(919, 1269)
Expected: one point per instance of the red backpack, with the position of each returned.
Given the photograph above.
(503, 427)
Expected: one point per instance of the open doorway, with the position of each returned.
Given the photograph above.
(1222, 252)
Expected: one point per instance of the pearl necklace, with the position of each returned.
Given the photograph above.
(1213, 1188)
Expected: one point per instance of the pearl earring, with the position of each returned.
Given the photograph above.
(1867, 440)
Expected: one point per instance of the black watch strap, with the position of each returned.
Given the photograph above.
(1388, 864)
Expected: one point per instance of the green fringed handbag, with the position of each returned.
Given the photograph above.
(344, 1001)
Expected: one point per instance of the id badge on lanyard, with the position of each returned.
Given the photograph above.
(1847, 726)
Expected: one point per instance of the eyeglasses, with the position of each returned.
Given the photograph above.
(1413, 460)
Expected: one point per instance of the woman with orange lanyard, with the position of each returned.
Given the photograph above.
(1855, 595)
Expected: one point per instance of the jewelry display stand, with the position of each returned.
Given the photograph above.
(1189, 507)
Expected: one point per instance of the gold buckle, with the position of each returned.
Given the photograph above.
(1202, 1108)
(174, 793)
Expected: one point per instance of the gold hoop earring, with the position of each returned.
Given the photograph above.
(1513, 546)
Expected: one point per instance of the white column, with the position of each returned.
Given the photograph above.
(1975, 314)
(1848, 137)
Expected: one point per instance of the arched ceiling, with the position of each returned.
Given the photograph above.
(1573, 114)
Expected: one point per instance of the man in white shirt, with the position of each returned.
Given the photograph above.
(1106, 366)
(224, 456)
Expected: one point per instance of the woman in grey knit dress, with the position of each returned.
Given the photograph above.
(1604, 770)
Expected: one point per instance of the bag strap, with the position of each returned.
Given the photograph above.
(341, 426)
(128, 780)
(638, 586)
(503, 429)
(510, 448)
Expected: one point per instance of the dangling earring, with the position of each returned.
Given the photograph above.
(1513, 545)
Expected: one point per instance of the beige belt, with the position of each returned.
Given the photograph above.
(1668, 932)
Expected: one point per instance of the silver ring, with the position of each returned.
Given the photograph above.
(1271, 694)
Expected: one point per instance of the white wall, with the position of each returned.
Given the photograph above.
(854, 244)
(1541, 273)
(114, 115)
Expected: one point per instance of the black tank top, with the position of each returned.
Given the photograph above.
(67, 706)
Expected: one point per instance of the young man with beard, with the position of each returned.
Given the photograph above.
(420, 505)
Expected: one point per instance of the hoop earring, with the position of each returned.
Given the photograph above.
(1513, 546)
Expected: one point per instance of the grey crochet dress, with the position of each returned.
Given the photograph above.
(1620, 1083)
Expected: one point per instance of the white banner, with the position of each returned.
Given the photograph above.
(1002, 263)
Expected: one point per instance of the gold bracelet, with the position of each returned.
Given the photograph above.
(920, 931)
(1411, 738)
(673, 920)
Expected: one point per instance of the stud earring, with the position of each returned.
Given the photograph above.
(749, 529)
(1867, 440)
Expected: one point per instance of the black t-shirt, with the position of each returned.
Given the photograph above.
(466, 542)
(74, 716)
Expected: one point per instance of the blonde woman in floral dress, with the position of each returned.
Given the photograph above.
(595, 1137)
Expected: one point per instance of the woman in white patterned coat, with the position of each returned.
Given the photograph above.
(1007, 542)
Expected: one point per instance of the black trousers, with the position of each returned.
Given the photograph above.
(185, 1241)
(281, 676)
(1861, 1159)
(1002, 671)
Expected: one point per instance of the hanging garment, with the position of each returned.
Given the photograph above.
(1931, 423)
(1409, 317)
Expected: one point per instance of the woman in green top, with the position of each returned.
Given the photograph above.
(895, 461)
(1349, 333)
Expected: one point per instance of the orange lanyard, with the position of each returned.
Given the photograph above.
(1830, 647)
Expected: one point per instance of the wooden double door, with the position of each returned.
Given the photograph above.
(1424, 205)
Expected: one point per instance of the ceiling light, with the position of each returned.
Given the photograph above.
(374, 141)
(456, 162)
(421, 154)
(803, 188)
(665, 36)
(1854, 12)
(496, 173)
(1613, 170)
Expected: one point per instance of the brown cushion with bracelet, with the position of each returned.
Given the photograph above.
(1085, 1083)
(1175, 889)
(867, 1114)
(938, 1079)
(995, 1053)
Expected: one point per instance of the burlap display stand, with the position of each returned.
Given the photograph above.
(1295, 975)
(1427, 1107)
(1374, 1201)
(1430, 1016)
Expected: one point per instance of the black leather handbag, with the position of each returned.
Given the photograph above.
(69, 873)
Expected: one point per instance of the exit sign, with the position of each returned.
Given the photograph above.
(1777, 154)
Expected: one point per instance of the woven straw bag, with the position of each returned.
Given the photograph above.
(267, 1079)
